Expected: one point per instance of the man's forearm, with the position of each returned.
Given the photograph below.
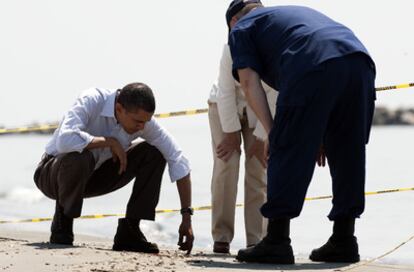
(184, 191)
(256, 97)
(100, 142)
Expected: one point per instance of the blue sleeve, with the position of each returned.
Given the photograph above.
(243, 51)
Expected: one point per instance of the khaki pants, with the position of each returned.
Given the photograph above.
(224, 187)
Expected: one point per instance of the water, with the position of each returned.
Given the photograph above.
(387, 221)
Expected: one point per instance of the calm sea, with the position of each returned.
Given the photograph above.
(387, 221)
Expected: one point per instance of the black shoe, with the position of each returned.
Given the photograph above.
(221, 247)
(267, 252)
(62, 228)
(274, 248)
(129, 237)
(337, 251)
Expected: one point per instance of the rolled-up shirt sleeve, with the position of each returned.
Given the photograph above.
(243, 51)
(226, 95)
(71, 134)
(178, 164)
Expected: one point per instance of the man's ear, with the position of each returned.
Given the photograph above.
(233, 21)
(118, 108)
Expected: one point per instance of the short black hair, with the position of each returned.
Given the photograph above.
(136, 96)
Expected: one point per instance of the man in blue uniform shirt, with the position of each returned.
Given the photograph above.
(325, 80)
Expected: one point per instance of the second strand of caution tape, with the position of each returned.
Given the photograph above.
(200, 208)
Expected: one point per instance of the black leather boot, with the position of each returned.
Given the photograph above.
(342, 246)
(62, 228)
(274, 248)
(129, 237)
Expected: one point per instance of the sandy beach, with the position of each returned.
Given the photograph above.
(27, 251)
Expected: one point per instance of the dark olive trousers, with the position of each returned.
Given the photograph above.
(69, 178)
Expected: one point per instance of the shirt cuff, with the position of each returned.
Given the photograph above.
(229, 127)
(259, 132)
(87, 139)
(73, 141)
(179, 168)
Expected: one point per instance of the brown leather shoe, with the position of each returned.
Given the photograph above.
(221, 247)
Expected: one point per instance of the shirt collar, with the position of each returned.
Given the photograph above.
(109, 107)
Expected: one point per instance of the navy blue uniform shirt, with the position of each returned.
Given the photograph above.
(284, 43)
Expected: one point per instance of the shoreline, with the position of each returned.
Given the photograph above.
(383, 116)
(30, 251)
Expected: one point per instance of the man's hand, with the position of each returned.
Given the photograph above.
(186, 236)
(258, 150)
(118, 154)
(228, 145)
(321, 157)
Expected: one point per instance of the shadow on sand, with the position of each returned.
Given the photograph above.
(234, 264)
(47, 245)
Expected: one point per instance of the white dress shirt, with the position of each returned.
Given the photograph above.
(93, 115)
(231, 101)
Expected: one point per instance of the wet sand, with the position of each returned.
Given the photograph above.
(26, 251)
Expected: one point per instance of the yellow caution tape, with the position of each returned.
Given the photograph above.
(366, 193)
(50, 127)
(364, 263)
(180, 113)
(200, 208)
(21, 130)
(394, 87)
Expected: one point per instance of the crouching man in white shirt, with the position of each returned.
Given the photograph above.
(92, 154)
(230, 120)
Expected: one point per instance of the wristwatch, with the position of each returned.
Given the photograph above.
(187, 210)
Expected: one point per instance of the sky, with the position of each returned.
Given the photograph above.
(52, 50)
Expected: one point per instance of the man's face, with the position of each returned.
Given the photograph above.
(132, 121)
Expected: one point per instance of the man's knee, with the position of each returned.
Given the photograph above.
(151, 153)
(64, 171)
(155, 153)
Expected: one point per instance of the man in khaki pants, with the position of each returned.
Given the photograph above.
(230, 119)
